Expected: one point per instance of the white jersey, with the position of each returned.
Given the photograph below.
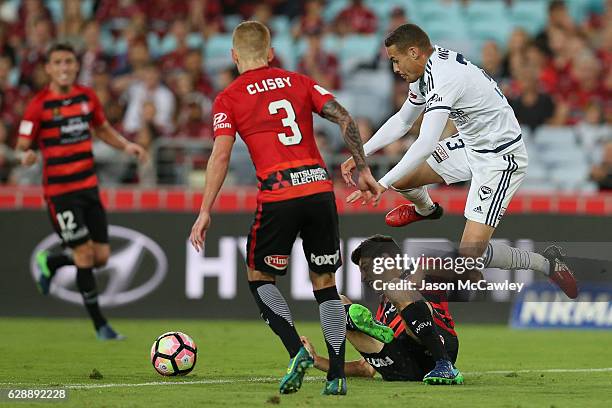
(481, 113)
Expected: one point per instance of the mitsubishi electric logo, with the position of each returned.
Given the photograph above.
(137, 266)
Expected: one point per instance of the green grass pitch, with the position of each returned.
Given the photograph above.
(239, 364)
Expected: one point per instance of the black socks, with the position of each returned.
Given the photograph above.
(333, 323)
(418, 318)
(87, 286)
(275, 311)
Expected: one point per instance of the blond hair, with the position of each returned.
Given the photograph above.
(251, 41)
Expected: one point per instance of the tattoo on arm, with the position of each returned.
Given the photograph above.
(336, 113)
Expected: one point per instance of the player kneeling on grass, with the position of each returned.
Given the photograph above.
(418, 343)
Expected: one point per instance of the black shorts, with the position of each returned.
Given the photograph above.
(276, 226)
(78, 217)
(406, 360)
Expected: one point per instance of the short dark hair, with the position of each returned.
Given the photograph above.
(408, 35)
(374, 246)
(555, 4)
(60, 46)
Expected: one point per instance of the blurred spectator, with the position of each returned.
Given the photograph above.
(587, 88)
(602, 173)
(206, 16)
(559, 19)
(311, 20)
(556, 73)
(137, 58)
(193, 108)
(397, 17)
(30, 11)
(117, 12)
(323, 144)
(319, 64)
(175, 59)
(160, 13)
(11, 97)
(93, 57)
(532, 108)
(604, 52)
(148, 132)
(356, 19)
(194, 66)
(263, 13)
(5, 46)
(39, 36)
(70, 28)
(226, 76)
(7, 155)
(592, 131)
(517, 45)
(492, 60)
(149, 89)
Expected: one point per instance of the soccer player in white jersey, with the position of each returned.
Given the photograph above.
(488, 150)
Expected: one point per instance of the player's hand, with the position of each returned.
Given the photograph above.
(367, 196)
(137, 151)
(198, 231)
(347, 171)
(371, 190)
(308, 345)
(28, 158)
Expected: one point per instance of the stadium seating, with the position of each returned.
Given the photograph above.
(332, 9)
(217, 52)
(530, 15)
(556, 150)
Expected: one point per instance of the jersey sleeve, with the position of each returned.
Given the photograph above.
(30, 123)
(319, 96)
(98, 111)
(443, 89)
(414, 95)
(223, 121)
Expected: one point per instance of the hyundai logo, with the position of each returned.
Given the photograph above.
(136, 267)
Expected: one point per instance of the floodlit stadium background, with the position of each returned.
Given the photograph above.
(560, 63)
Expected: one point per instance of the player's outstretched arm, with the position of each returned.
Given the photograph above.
(431, 130)
(216, 170)
(393, 129)
(336, 113)
(357, 368)
(111, 137)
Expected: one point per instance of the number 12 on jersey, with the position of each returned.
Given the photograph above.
(288, 121)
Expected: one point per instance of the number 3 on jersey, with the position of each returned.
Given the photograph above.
(288, 121)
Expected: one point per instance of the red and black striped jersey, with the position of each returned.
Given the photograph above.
(61, 124)
(388, 315)
(271, 109)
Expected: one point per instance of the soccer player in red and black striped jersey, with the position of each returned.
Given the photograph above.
(411, 333)
(61, 119)
(271, 109)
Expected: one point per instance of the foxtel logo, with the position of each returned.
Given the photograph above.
(279, 262)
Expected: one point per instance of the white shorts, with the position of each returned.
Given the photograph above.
(495, 176)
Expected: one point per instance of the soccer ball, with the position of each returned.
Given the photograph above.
(174, 353)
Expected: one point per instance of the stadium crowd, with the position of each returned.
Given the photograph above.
(154, 67)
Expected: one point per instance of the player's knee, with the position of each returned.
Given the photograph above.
(83, 255)
(101, 257)
(322, 281)
(345, 300)
(472, 250)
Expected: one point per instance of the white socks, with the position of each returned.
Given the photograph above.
(420, 198)
(505, 257)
